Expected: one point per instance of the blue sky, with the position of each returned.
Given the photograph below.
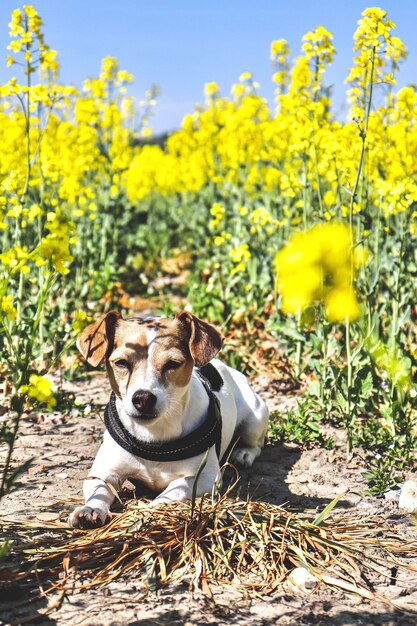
(182, 44)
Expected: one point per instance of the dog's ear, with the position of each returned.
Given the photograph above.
(96, 341)
(204, 340)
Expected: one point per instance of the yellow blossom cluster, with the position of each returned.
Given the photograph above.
(240, 255)
(40, 389)
(64, 151)
(7, 307)
(300, 154)
(377, 58)
(27, 39)
(73, 160)
(317, 266)
(218, 213)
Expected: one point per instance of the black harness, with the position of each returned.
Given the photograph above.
(209, 433)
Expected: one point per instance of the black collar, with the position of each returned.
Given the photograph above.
(196, 442)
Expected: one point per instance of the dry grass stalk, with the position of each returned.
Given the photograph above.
(250, 545)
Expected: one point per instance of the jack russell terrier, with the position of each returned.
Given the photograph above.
(169, 408)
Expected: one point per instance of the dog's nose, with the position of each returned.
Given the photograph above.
(144, 401)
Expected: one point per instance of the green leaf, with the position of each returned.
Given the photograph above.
(12, 479)
(292, 333)
(327, 510)
(367, 384)
(4, 548)
(314, 389)
(340, 398)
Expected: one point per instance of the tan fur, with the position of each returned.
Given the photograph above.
(184, 338)
(96, 341)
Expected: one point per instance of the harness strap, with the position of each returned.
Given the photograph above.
(192, 444)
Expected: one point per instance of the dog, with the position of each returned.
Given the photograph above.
(174, 411)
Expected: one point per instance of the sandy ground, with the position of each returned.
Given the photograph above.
(63, 446)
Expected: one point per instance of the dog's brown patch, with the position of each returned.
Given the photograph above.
(149, 343)
(171, 347)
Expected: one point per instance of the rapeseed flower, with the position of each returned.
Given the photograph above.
(317, 266)
(218, 212)
(54, 250)
(240, 255)
(40, 389)
(16, 259)
(81, 320)
(377, 58)
(7, 306)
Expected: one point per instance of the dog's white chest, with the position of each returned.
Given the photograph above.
(154, 474)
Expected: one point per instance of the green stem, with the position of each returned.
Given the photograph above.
(363, 134)
(298, 351)
(316, 167)
(396, 302)
(349, 416)
(10, 445)
(349, 409)
(19, 302)
(323, 367)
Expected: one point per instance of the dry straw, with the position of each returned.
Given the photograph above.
(219, 540)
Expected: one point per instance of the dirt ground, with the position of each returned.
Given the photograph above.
(63, 446)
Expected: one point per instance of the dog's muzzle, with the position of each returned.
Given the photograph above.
(144, 402)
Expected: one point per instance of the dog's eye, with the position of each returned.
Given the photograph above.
(172, 365)
(122, 364)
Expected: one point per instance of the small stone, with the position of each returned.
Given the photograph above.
(392, 494)
(408, 496)
(300, 579)
(37, 469)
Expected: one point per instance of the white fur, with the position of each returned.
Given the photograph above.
(242, 410)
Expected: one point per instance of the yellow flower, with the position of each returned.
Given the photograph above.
(211, 89)
(341, 303)
(396, 365)
(261, 217)
(240, 253)
(55, 251)
(40, 389)
(6, 305)
(240, 267)
(218, 212)
(318, 45)
(377, 52)
(317, 266)
(34, 211)
(81, 320)
(279, 48)
(16, 259)
(109, 68)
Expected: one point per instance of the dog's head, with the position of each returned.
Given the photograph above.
(149, 360)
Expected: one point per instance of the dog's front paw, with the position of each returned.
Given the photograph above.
(244, 457)
(87, 517)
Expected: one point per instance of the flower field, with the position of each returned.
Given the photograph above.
(287, 221)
